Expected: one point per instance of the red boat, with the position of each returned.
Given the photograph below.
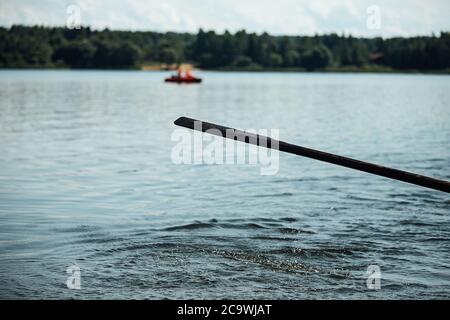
(177, 79)
(186, 78)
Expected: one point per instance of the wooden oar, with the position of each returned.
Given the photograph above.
(266, 142)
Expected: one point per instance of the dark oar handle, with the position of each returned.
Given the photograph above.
(263, 141)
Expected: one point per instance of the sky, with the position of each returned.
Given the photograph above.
(368, 18)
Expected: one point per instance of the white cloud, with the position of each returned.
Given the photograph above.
(324, 8)
(277, 17)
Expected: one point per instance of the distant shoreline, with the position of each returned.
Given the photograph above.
(59, 47)
(333, 70)
(349, 69)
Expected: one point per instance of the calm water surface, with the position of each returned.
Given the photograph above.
(86, 178)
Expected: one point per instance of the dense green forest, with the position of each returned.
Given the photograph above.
(38, 47)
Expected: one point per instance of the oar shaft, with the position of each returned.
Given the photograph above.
(263, 141)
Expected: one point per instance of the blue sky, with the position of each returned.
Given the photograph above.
(398, 17)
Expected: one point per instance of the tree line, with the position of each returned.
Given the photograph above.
(46, 47)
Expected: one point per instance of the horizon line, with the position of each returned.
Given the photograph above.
(342, 34)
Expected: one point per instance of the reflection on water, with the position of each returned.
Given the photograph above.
(86, 178)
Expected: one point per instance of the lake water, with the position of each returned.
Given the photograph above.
(86, 179)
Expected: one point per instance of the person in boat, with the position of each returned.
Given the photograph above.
(188, 74)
